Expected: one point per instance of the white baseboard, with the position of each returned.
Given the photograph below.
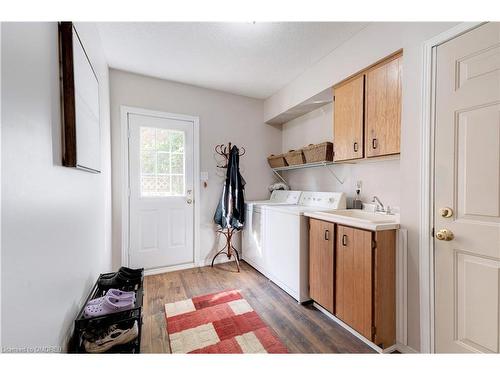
(405, 349)
(156, 271)
(218, 260)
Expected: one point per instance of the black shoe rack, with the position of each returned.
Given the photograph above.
(85, 326)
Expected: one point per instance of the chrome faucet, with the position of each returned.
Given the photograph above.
(380, 205)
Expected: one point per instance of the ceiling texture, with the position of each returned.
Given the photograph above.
(250, 59)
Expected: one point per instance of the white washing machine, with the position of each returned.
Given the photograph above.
(286, 238)
(252, 241)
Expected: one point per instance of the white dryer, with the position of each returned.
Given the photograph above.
(252, 241)
(286, 238)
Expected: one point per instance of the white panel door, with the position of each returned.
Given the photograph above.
(467, 170)
(161, 191)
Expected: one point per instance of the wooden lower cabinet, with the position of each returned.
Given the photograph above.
(354, 279)
(321, 263)
(352, 273)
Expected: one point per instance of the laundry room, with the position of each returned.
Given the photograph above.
(249, 184)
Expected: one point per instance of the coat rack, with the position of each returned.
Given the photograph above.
(224, 151)
(229, 250)
(228, 247)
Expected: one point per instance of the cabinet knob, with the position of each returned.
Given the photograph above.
(374, 143)
(327, 235)
(356, 147)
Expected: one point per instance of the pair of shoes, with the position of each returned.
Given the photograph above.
(117, 293)
(129, 272)
(113, 336)
(108, 305)
(125, 277)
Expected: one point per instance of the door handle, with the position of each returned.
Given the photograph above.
(355, 146)
(445, 235)
(327, 235)
(344, 240)
(189, 201)
(374, 143)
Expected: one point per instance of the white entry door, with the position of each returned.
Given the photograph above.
(467, 193)
(161, 191)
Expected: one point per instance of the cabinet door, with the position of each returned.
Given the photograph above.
(353, 292)
(348, 119)
(383, 108)
(321, 263)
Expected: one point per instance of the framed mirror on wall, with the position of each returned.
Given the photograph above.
(81, 144)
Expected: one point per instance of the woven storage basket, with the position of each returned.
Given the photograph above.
(276, 161)
(295, 157)
(320, 152)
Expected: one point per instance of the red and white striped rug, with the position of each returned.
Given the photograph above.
(221, 322)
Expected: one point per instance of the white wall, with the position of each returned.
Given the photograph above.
(379, 178)
(223, 118)
(369, 45)
(56, 221)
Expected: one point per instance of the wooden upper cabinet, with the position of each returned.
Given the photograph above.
(321, 263)
(348, 119)
(383, 108)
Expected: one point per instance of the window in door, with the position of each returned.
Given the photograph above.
(162, 162)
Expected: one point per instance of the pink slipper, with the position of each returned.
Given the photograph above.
(108, 305)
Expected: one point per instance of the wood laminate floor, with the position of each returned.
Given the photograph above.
(302, 328)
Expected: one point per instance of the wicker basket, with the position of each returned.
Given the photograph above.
(320, 152)
(295, 157)
(276, 161)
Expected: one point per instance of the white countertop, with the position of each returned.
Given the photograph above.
(366, 220)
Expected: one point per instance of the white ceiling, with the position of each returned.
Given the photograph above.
(249, 59)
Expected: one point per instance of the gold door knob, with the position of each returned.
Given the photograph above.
(446, 212)
(444, 235)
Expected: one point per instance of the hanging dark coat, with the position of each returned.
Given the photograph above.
(230, 211)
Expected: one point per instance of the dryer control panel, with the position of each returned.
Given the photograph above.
(328, 200)
(285, 196)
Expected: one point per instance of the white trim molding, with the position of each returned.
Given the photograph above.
(426, 241)
(402, 287)
(125, 111)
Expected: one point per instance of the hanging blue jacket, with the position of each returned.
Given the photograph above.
(230, 212)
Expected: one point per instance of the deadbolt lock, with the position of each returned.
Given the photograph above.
(444, 235)
(446, 212)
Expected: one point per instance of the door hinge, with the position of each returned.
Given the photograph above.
(333, 97)
(374, 244)
(374, 331)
